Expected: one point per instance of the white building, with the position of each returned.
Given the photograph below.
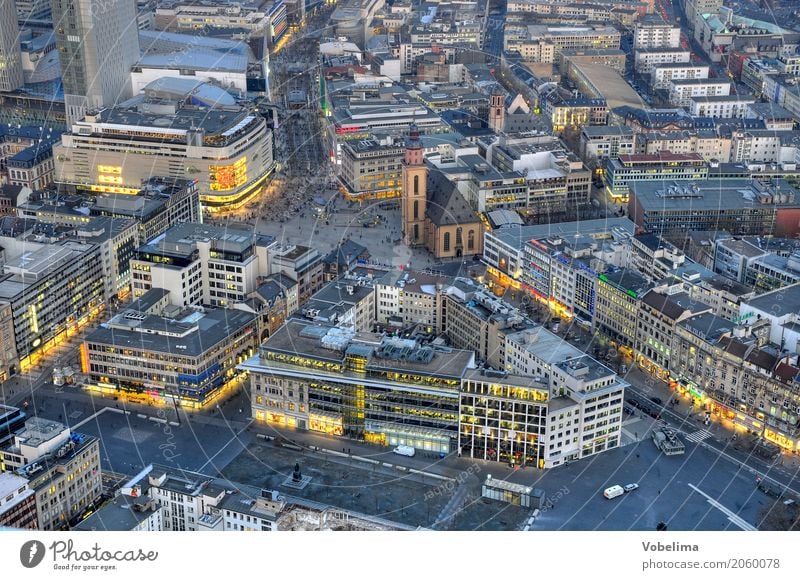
(664, 74)
(655, 33)
(585, 410)
(720, 107)
(682, 91)
(202, 264)
(645, 60)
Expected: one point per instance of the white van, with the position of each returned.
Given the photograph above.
(406, 450)
(613, 491)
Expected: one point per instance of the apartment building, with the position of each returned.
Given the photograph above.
(300, 263)
(407, 297)
(682, 91)
(720, 106)
(646, 60)
(167, 498)
(62, 468)
(599, 144)
(348, 303)
(662, 76)
(660, 310)
(653, 32)
(725, 367)
(17, 502)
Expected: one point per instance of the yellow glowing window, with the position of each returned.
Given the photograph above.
(115, 169)
(228, 177)
(110, 179)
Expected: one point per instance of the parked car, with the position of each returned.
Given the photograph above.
(657, 400)
(631, 487)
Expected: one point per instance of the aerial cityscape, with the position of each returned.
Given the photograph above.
(388, 265)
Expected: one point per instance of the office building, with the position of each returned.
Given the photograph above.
(741, 207)
(386, 390)
(584, 414)
(619, 294)
(371, 170)
(266, 19)
(202, 264)
(98, 43)
(160, 204)
(543, 43)
(62, 468)
(186, 355)
(11, 77)
(12, 419)
(52, 290)
(202, 134)
(626, 170)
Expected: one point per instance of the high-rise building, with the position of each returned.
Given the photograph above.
(10, 57)
(98, 43)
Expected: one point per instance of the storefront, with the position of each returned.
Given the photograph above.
(393, 435)
(330, 424)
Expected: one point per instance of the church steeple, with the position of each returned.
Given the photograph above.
(415, 187)
(414, 153)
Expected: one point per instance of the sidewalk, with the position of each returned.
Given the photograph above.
(717, 433)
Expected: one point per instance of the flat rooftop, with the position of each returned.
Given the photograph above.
(328, 343)
(516, 236)
(610, 84)
(154, 333)
(711, 194)
(789, 302)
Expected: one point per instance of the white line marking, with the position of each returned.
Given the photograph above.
(732, 517)
(89, 418)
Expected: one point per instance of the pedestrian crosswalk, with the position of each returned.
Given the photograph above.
(698, 436)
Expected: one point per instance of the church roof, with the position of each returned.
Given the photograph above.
(446, 205)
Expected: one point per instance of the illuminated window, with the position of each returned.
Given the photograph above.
(228, 177)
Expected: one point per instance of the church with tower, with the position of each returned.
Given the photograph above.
(435, 214)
